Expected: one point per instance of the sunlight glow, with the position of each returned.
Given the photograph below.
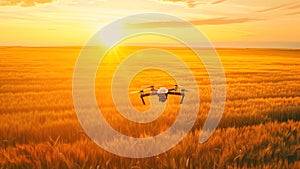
(64, 23)
(111, 36)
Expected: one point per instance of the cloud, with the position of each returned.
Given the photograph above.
(295, 6)
(24, 3)
(282, 6)
(222, 21)
(214, 21)
(293, 13)
(189, 3)
(193, 3)
(219, 1)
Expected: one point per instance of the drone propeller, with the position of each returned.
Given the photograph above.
(186, 90)
(139, 91)
(182, 89)
(151, 86)
(176, 86)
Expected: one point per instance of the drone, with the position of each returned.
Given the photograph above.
(162, 92)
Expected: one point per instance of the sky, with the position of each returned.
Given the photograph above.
(226, 23)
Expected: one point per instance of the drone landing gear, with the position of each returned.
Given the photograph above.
(144, 95)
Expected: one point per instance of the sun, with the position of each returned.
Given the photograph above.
(111, 35)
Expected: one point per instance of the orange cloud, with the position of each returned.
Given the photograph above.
(294, 5)
(222, 21)
(193, 3)
(214, 21)
(24, 3)
(190, 3)
(219, 1)
(293, 13)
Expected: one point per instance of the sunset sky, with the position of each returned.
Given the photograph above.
(234, 23)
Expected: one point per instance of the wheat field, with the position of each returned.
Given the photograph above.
(260, 127)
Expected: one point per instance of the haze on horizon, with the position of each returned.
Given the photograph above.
(227, 23)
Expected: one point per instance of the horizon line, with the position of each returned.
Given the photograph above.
(166, 46)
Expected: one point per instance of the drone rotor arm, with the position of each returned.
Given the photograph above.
(175, 93)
